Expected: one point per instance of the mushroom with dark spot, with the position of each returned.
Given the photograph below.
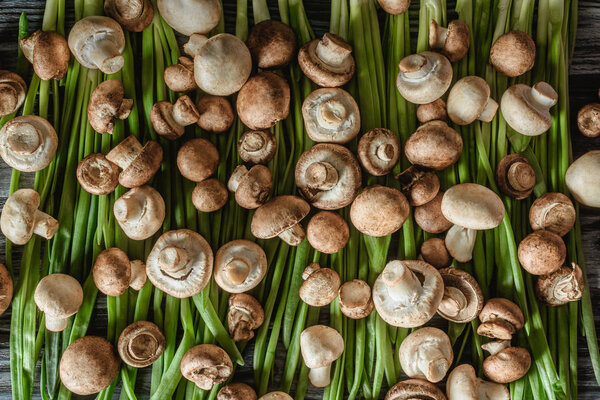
(328, 62)
(327, 232)
(140, 344)
(251, 187)
(463, 299)
(140, 212)
(206, 365)
(216, 113)
(562, 286)
(542, 252)
(515, 176)
(244, 316)
(138, 163)
(97, 43)
(513, 53)
(454, 41)
(500, 319)
(240, 266)
(281, 217)
(58, 296)
(470, 100)
(49, 54)
(426, 353)
(133, 15)
(257, 147)
(180, 77)
(169, 120)
(272, 44)
(263, 101)
(320, 286)
(13, 90)
(108, 103)
(419, 186)
(113, 273)
(379, 151)
(424, 77)
(434, 252)
(430, 218)
(527, 109)
(331, 115)
(379, 211)
(28, 143)
(21, 219)
(434, 145)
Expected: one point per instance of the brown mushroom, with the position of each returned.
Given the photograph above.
(21, 219)
(244, 316)
(327, 232)
(97, 175)
(553, 212)
(379, 211)
(411, 389)
(206, 365)
(251, 187)
(463, 299)
(257, 147)
(194, 44)
(328, 62)
(505, 364)
(107, 103)
(197, 159)
(263, 101)
(434, 145)
(97, 43)
(169, 120)
(140, 212)
(378, 151)
(320, 286)
(6, 288)
(542, 252)
(138, 163)
(500, 319)
(434, 111)
(430, 218)
(140, 344)
(180, 77)
(331, 115)
(562, 286)
(527, 109)
(49, 54)
(236, 391)
(515, 176)
(588, 120)
(133, 15)
(454, 41)
(113, 273)
(470, 100)
(434, 252)
(276, 396)
(356, 301)
(13, 90)
(424, 77)
(420, 187)
(209, 195)
(513, 53)
(272, 44)
(216, 114)
(281, 217)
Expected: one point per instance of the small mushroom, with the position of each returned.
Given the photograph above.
(180, 77)
(424, 77)
(281, 217)
(562, 286)
(434, 145)
(245, 315)
(469, 99)
(236, 391)
(140, 212)
(272, 44)
(257, 147)
(505, 364)
(140, 344)
(427, 354)
(394, 7)
(588, 120)
(88, 365)
(526, 109)
(463, 299)
(190, 16)
(263, 101)
(328, 62)
(378, 151)
(408, 293)
(430, 218)
(6, 288)
(276, 396)
(327, 232)
(28, 143)
(411, 389)
(197, 159)
(49, 54)
(209, 195)
(582, 180)
(454, 41)
(434, 111)
(13, 90)
(355, 299)
(113, 273)
(320, 346)
(379, 211)
(194, 44)
(216, 114)
(515, 176)
(206, 365)
(98, 43)
(420, 187)
(331, 115)
(169, 120)
(500, 319)
(328, 176)
(251, 187)
(240, 266)
(97, 175)
(107, 103)
(180, 263)
(138, 163)
(553, 212)
(513, 53)
(542, 252)
(58, 296)
(133, 15)
(20, 218)
(434, 252)
(320, 286)
(463, 384)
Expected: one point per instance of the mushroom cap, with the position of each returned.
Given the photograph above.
(469, 303)
(467, 100)
(434, 145)
(257, 147)
(252, 187)
(237, 391)
(463, 384)
(190, 16)
(48, 52)
(515, 176)
(223, 64)
(507, 365)
(313, 171)
(513, 53)
(263, 101)
(542, 252)
(133, 15)
(434, 252)
(58, 295)
(245, 315)
(327, 232)
(331, 115)
(420, 187)
(588, 120)
(379, 211)
(429, 216)
(169, 120)
(394, 7)
(107, 103)
(356, 301)
(424, 77)
(18, 219)
(180, 77)
(582, 183)
(216, 113)
(197, 159)
(206, 365)
(210, 195)
(140, 212)
(379, 151)
(112, 272)
(500, 318)
(472, 206)
(561, 287)
(525, 109)
(276, 396)
(320, 287)
(277, 215)
(28, 143)
(320, 346)
(6, 288)
(411, 389)
(140, 344)
(13, 90)
(240, 266)
(453, 41)
(429, 349)
(553, 212)
(328, 62)
(88, 365)
(434, 111)
(143, 167)
(97, 175)
(272, 44)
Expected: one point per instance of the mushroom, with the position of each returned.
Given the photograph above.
(190, 16)
(169, 120)
(49, 54)
(328, 62)
(320, 346)
(355, 299)
(257, 147)
(394, 7)
(28, 143)
(379, 211)
(424, 77)
(463, 384)
(222, 65)
(427, 354)
(526, 109)
(113, 273)
(320, 286)
(194, 43)
(434, 252)
(331, 115)
(209, 195)
(513, 53)
(582, 180)
(561, 287)
(140, 344)
(430, 218)
(553, 212)
(515, 176)
(98, 43)
(542, 252)
(276, 396)
(107, 103)
(216, 114)
(454, 41)
(140, 212)
(272, 44)
(434, 145)
(180, 77)
(180, 263)
(58, 296)
(378, 151)
(251, 187)
(500, 319)
(88, 365)
(434, 111)
(240, 266)
(197, 159)
(245, 315)
(206, 365)
(97, 175)
(588, 120)
(463, 299)
(327, 232)
(408, 293)
(13, 90)
(411, 389)
(420, 187)
(6, 288)
(505, 364)
(328, 176)
(20, 218)
(469, 99)
(236, 391)
(263, 101)
(138, 163)
(133, 15)
(281, 217)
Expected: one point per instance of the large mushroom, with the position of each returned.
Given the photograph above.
(327, 232)
(331, 115)
(13, 90)
(434, 145)
(281, 217)
(97, 175)
(251, 187)
(197, 159)
(411, 389)
(553, 212)
(542, 252)
(320, 286)
(379, 211)
(272, 44)
(527, 109)
(424, 77)
(216, 113)
(58, 296)
(561, 286)
(454, 41)
(209, 195)
(244, 316)
(328, 61)
(429, 216)
(49, 54)
(206, 365)
(113, 273)
(505, 364)
(379, 151)
(513, 53)
(237, 391)
(588, 120)
(463, 384)
(582, 180)
(140, 344)
(469, 99)
(133, 15)
(320, 346)
(356, 301)
(419, 186)
(180, 77)
(140, 212)
(28, 143)
(263, 101)
(515, 176)
(427, 354)
(20, 218)
(138, 163)
(463, 299)
(169, 120)
(107, 103)
(6, 288)
(240, 265)
(257, 147)
(98, 43)
(190, 16)
(500, 319)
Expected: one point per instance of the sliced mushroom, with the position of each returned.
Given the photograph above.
(13, 90)
(526, 109)
(430, 218)
(190, 16)
(434, 111)
(515, 176)
(138, 163)
(427, 354)
(562, 286)
(197, 159)
(414, 389)
(469, 99)
(276, 396)
(98, 43)
(107, 103)
(356, 301)
(133, 15)
(505, 364)
(542, 252)
(328, 62)
(236, 391)
(379, 211)
(58, 296)
(251, 187)
(281, 217)
(49, 54)
(263, 101)
(378, 151)
(320, 286)
(424, 77)
(588, 120)
(180, 77)
(463, 299)
(169, 120)
(331, 115)
(434, 145)
(513, 53)
(463, 384)
(216, 114)
(553, 212)
(454, 41)
(206, 365)
(210, 195)
(272, 44)
(194, 44)
(6, 288)
(20, 218)
(257, 147)
(420, 187)
(500, 319)
(140, 344)
(434, 252)
(320, 346)
(240, 265)
(113, 272)
(28, 143)
(327, 232)
(140, 212)
(582, 180)
(244, 316)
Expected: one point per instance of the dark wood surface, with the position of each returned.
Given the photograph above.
(584, 84)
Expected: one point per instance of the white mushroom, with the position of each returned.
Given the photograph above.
(463, 384)
(58, 296)
(21, 218)
(140, 212)
(356, 301)
(469, 99)
(426, 353)
(28, 143)
(527, 109)
(190, 16)
(240, 266)
(320, 346)
(328, 61)
(98, 43)
(424, 77)
(582, 179)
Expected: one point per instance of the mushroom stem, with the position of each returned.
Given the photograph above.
(437, 35)
(138, 274)
(237, 270)
(520, 177)
(55, 324)
(453, 301)
(321, 176)
(125, 152)
(460, 243)
(236, 178)
(496, 346)
(432, 363)
(331, 113)
(44, 226)
(320, 377)
(173, 258)
(332, 51)
(385, 152)
(106, 56)
(403, 285)
(543, 96)
(489, 111)
(415, 67)
(293, 236)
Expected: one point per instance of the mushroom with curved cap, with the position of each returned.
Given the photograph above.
(276, 396)
(180, 77)
(427, 354)
(194, 44)
(515, 176)
(408, 293)
(500, 319)
(356, 301)
(97, 175)
(463, 299)
(327, 232)
(553, 212)
(107, 103)
(272, 44)
(526, 109)
(328, 62)
(257, 147)
(169, 120)
(48, 52)
(13, 90)
(140, 344)
(206, 365)
(263, 101)
(251, 187)
(320, 346)
(331, 115)
(197, 159)
(378, 151)
(434, 252)
(379, 211)
(138, 163)
(20, 218)
(6, 288)
(113, 273)
(434, 111)
(561, 287)
(281, 217)
(88, 365)
(588, 120)
(240, 265)
(469, 99)
(140, 212)
(244, 316)
(58, 296)
(320, 286)
(411, 389)
(434, 145)
(513, 53)
(419, 186)
(209, 195)
(97, 43)
(542, 252)
(463, 384)
(454, 41)
(505, 364)
(582, 179)
(328, 176)
(430, 218)
(216, 114)
(236, 391)
(28, 143)
(190, 16)
(133, 15)
(424, 77)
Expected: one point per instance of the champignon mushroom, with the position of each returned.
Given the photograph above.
(454, 41)
(281, 217)
(434, 145)
(526, 109)
(272, 44)
(553, 212)
(240, 265)
(408, 293)
(180, 77)
(331, 115)
(263, 101)
(513, 53)
(542, 252)
(140, 344)
(140, 212)
(469, 99)
(49, 54)
(356, 301)
(209, 195)
(588, 120)
(582, 180)
(463, 299)
(328, 176)
(194, 44)
(515, 176)
(434, 111)
(169, 120)
(28, 143)
(434, 252)
(58, 296)
(320, 346)
(505, 364)
(197, 159)
(133, 15)
(562, 286)
(327, 232)
(113, 273)
(379, 211)
(394, 7)
(236, 391)
(328, 62)
(463, 384)
(378, 151)
(420, 187)
(20, 218)
(251, 187)
(13, 90)
(97, 175)
(430, 218)
(500, 319)
(190, 16)
(411, 389)
(216, 114)
(276, 396)
(245, 315)
(424, 77)
(6, 288)
(320, 286)
(98, 43)
(257, 147)
(88, 365)
(206, 365)
(107, 103)
(427, 354)
(138, 163)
